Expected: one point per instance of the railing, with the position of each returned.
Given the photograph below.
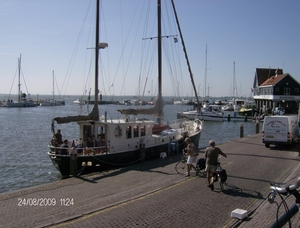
(80, 150)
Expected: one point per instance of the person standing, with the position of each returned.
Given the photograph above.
(211, 156)
(190, 152)
(58, 137)
(64, 148)
(90, 142)
(79, 146)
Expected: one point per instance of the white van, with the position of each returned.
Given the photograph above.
(280, 130)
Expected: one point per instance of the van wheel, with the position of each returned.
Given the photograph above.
(267, 145)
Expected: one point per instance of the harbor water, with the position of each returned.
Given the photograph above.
(26, 132)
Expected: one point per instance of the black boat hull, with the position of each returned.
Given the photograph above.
(75, 165)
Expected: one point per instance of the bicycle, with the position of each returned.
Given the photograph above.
(284, 193)
(181, 168)
(220, 176)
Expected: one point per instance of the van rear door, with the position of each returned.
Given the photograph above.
(276, 129)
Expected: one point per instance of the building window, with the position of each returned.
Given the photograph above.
(286, 91)
(296, 90)
(277, 89)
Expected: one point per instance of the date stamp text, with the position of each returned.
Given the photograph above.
(45, 202)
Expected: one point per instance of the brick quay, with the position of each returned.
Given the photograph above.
(152, 194)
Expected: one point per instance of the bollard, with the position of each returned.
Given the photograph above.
(246, 117)
(257, 127)
(73, 163)
(228, 117)
(241, 131)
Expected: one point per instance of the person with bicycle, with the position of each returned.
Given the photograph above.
(211, 156)
(190, 152)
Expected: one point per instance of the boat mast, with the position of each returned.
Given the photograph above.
(205, 71)
(19, 84)
(186, 56)
(94, 113)
(157, 109)
(160, 114)
(234, 93)
(53, 84)
(96, 55)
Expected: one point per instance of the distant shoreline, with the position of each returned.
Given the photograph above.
(114, 97)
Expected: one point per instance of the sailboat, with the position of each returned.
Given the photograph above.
(79, 102)
(123, 141)
(208, 112)
(51, 102)
(22, 101)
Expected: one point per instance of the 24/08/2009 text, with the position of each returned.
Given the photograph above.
(45, 202)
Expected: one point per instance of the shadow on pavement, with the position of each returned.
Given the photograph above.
(236, 191)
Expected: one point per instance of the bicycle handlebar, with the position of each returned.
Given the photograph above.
(286, 189)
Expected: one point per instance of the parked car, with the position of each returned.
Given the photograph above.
(279, 111)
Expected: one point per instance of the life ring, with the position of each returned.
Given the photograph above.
(118, 131)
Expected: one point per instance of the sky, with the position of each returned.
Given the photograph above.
(55, 38)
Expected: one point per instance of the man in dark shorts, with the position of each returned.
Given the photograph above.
(211, 156)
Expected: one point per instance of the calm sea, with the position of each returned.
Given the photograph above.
(25, 133)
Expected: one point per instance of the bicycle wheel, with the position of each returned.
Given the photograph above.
(180, 167)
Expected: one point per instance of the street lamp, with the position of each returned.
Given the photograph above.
(102, 45)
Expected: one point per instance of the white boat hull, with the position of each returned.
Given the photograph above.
(18, 104)
(210, 117)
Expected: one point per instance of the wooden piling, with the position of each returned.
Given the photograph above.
(241, 130)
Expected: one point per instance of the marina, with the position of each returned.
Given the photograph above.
(103, 146)
(24, 160)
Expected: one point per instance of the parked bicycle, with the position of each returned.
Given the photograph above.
(181, 168)
(220, 175)
(284, 193)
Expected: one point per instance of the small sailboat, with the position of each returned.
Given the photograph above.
(123, 141)
(79, 102)
(51, 102)
(23, 100)
(207, 112)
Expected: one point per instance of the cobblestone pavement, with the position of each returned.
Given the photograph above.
(152, 194)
